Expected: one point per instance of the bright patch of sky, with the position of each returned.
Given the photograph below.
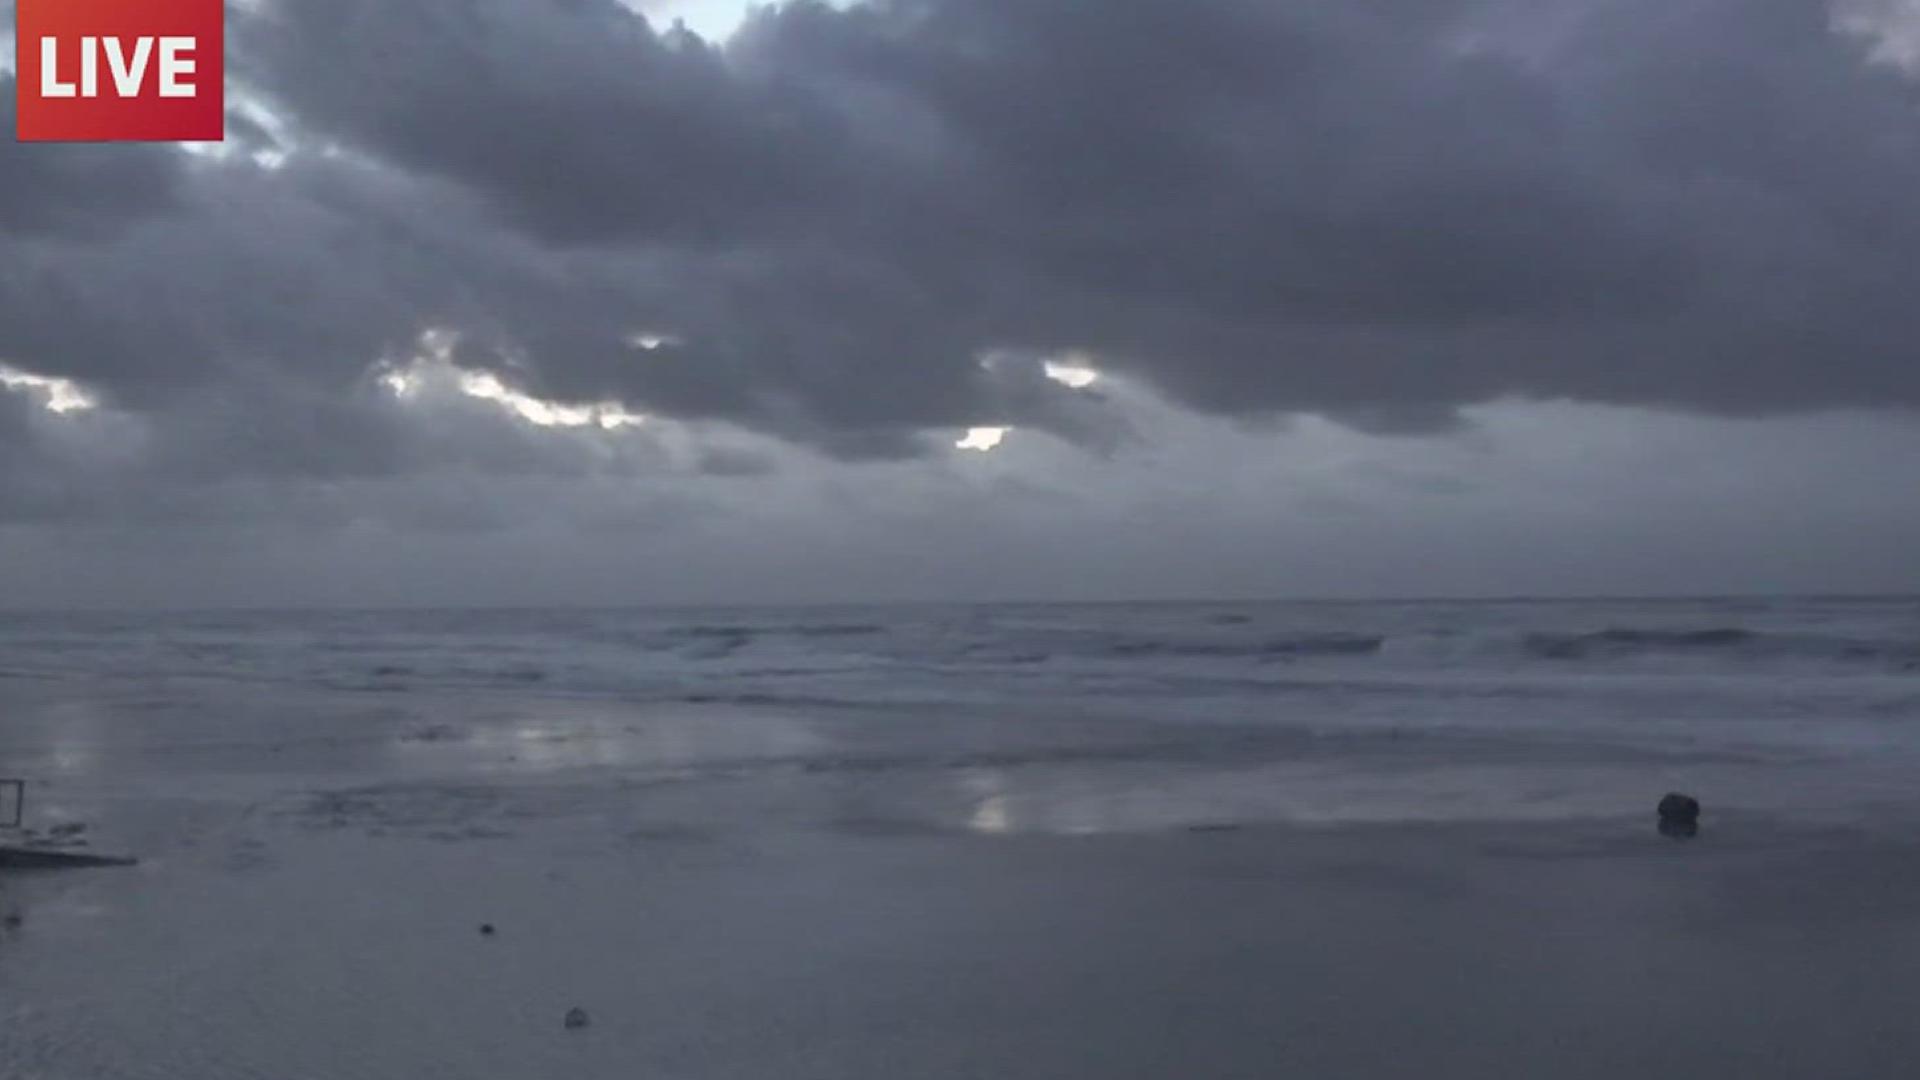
(1071, 373)
(432, 369)
(55, 394)
(1891, 28)
(647, 341)
(982, 439)
(714, 20)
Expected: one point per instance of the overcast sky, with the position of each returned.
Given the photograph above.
(552, 301)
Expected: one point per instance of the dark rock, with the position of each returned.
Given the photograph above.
(576, 1018)
(486, 929)
(12, 921)
(1679, 808)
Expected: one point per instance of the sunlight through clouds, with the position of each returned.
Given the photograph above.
(714, 20)
(982, 439)
(606, 415)
(646, 341)
(1071, 374)
(55, 394)
(433, 367)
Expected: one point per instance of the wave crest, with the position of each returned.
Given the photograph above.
(1732, 641)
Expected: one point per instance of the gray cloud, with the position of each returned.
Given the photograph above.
(1384, 210)
(1566, 499)
(1378, 211)
(856, 230)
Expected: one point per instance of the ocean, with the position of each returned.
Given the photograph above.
(1828, 674)
(1531, 707)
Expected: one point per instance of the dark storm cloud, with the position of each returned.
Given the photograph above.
(500, 95)
(1381, 210)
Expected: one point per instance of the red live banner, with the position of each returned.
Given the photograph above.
(119, 70)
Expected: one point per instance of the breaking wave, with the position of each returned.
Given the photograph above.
(1303, 645)
(1732, 642)
(977, 652)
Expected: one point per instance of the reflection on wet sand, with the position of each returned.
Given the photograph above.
(991, 814)
(1676, 829)
(577, 739)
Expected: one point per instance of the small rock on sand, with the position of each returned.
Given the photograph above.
(576, 1018)
(486, 929)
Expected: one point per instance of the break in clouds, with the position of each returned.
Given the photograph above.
(549, 299)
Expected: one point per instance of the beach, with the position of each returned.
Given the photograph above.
(959, 540)
(729, 889)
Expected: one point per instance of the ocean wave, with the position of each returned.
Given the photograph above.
(1281, 647)
(781, 657)
(804, 630)
(698, 633)
(826, 630)
(1730, 641)
(457, 674)
(719, 640)
(773, 699)
(1616, 641)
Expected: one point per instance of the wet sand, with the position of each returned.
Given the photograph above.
(1461, 951)
(293, 918)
